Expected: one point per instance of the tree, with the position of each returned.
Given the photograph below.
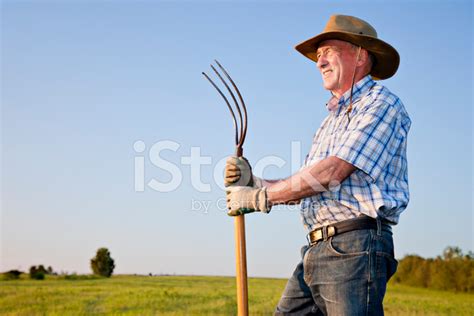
(42, 269)
(103, 264)
(37, 273)
(452, 253)
(453, 271)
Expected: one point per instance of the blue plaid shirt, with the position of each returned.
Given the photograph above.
(374, 140)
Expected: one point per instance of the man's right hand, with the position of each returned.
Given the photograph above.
(238, 172)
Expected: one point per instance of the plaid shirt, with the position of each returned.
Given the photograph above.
(374, 140)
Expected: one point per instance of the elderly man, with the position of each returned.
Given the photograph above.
(353, 185)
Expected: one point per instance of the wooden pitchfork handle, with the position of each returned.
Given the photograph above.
(239, 221)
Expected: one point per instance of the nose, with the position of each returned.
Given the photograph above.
(322, 62)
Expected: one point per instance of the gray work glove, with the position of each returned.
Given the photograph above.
(239, 172)
(242, 200)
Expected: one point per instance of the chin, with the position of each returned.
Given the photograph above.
(328, 85)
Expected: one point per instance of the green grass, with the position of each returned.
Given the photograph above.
(188, 295)
(405, 300)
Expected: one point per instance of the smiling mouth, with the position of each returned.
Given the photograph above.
(326, 72)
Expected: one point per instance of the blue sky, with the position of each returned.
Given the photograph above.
(82, 81)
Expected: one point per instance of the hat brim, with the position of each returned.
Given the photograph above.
(387, 57)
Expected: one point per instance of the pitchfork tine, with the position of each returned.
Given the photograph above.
(244, 131)
(228, 105)
(240, 129)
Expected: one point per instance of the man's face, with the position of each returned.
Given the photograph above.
(336, 62)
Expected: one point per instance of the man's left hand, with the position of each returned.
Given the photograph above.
(242, 200)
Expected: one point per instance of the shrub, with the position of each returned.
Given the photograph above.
(12, 275)
(37, 276)
(38, 273)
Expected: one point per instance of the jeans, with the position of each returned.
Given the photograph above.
(346, 274)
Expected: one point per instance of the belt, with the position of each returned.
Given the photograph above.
(362, 222)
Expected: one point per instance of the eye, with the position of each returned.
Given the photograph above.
(321, 53)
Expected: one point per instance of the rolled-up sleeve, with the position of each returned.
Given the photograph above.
(368, 142)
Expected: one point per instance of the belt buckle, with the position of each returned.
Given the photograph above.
(328, 231)
(317, 233)
(322, 233)
(331, 231)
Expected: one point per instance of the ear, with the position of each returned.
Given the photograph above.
(363, 57)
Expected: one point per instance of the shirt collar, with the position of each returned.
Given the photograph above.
(335, 105)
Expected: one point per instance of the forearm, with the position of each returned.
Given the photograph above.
(308, 181)
(260, 183)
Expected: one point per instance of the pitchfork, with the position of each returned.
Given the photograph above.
(239, 222)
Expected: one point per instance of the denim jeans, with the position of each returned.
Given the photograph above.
(344, 275)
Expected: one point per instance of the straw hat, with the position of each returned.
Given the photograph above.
(360, 33)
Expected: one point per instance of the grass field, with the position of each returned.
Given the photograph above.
(188, 295)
